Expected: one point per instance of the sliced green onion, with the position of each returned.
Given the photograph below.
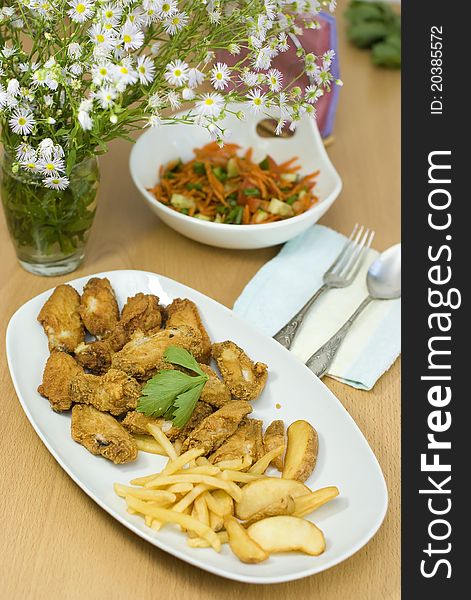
(199, 168)
(252, 192)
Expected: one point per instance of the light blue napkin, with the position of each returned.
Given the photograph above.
(284, 284)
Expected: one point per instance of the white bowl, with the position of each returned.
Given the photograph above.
(158, 146)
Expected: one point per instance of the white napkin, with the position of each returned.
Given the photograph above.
(284, 284)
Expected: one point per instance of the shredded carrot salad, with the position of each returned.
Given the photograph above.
(220, 186)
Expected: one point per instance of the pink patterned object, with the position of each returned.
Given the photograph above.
(315, 41)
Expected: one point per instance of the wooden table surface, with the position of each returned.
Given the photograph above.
(55, 541)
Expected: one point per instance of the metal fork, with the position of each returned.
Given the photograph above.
(340, 274)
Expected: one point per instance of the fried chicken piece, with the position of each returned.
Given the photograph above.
(98, 307)
(274, 438)
(144, 354)
(141, 313)
(114, 392)
(244, 378)
(215, 391)
(185, 312)
(61, 320)
(101, 434)
(216, 428)
(200, 412)
(247, 440)
(59, 372)
(136, 422)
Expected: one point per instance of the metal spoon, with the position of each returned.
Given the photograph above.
(384, 283)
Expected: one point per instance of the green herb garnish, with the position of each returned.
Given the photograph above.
(264, 164)
(291, 199)
(194, 186)
(199, 168)
(172, 393)
(252, 191)
(220, 173)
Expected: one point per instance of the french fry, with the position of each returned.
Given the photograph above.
(261, 465)
(201, 508)
(236, 464)
(170, 516)
(202, 543)
(229, 475)
(177, 444)
(203, 470)
(202, 461)
(304, 505)
(194, 515)
(143, 480)
(161, 496)
(229, 486)
(187, 500)
(216, 522)
(146, 443)
(163, 440)
(175, 465)
(180, 488)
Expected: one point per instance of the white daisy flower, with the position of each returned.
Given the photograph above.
(85, 120)
(154, 49)
(154, 121)
(145, 69)
(283, 44)
(155, 101)
(86, 105)
(136, 17)
(30, 165)
(46, 148)
(25, 152)
(13, 87)
(8, 51)
(175, 23)
(111, 13)
(39, 77)
(188, 94)
(125, 74)
(131, 36)
(56, 183)
(106, 96)
(176, 73)
(209, 58)
(51, 121)
(257, 99)
(279, 127)
(48, 100)
(102, 72)
(74, 50)
(166, 8)
(52, 166)
(174, 100)
(80, 10)
(195, 78)
(22, 121)
(214, 17)
(250, 78)
(234, 49)
(274, 80)
(102, 38)
(76, 68)
(210, 105)
(312, 93)
(220, 76)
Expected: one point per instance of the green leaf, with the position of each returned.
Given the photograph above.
(161, 390)
(185, 404)
(180, 356)
(365, 34)
(385, 54)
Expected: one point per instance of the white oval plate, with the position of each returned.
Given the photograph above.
(345, 459)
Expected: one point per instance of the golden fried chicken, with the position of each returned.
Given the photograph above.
(61, 320)
(59, 372)
(216, 428)
(244, 378)
(114, 392)
(98, 307)
(144, 354)
(215, 391)
(200, 412)
(246, 441)
(274, 438)
(185, 312)
(101, 434)
(141, 313)
(136, 422)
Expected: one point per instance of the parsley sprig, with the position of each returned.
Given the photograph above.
(172, 393)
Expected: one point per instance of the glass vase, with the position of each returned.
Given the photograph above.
(49, 228)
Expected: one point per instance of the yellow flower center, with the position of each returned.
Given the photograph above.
(49, 167)
(165, 7)
(21, 121)
(257, 101)
(127, 39)
(80, 8)
(209, 101)
(142, 69)
(177, 73)
(100, 38)
(124, 71)
(219, 76)
(31, 166)
(176, 20)
(108, 14)
(103, 71)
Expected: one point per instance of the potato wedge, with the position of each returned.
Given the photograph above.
(305, 505)
(301, 453)
(258, 494)
(283, 506)
(287, 534)
(244, 547)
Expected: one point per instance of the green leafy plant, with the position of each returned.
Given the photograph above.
(171, 393)
(375, 25)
